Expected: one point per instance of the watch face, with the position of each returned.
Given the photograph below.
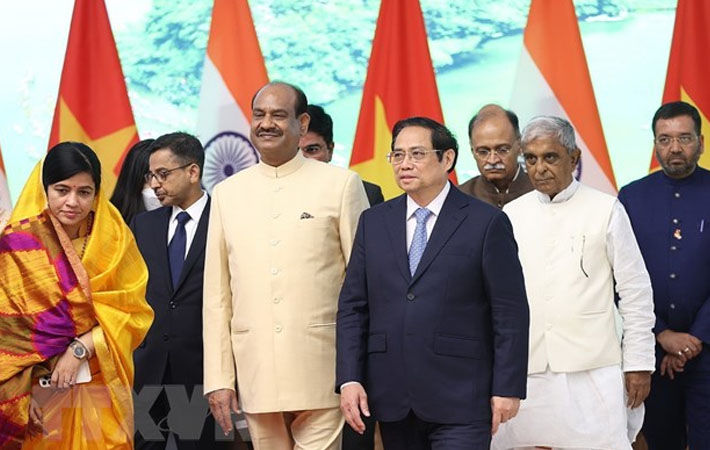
(79, 351)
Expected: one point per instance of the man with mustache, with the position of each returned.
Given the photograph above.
(577, 247)
(670, 213)
(495, 143)
(275, 261)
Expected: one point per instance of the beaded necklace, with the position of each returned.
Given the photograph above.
(89, 226)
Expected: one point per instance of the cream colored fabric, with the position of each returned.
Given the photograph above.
(319, 429)
(278, 242)
(568, 279)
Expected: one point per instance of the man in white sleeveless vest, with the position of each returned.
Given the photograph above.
(575, 243)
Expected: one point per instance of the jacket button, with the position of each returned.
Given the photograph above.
(173, 305)
(165, 337)
(410, 296)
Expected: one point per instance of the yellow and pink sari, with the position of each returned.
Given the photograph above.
(49, 294)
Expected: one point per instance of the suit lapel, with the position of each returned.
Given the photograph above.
(197, 247)
(396, 222)
(450, 217)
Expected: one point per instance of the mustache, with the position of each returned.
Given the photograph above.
(496, 166)
(272, 130)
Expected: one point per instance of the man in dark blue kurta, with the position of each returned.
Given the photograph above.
(670, 214)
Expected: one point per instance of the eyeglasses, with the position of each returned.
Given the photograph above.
(398, 156)
(485, 152)
(162, 174)
(683, 140)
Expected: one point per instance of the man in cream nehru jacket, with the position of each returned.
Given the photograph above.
(276, 257)
(575, 244)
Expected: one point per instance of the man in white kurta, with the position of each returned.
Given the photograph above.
(585, 387)
(279, 239)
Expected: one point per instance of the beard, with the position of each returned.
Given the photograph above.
(680, 170)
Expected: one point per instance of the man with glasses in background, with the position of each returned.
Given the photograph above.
(432, 318)
(495, 143)
(670, 214)
(318, 144)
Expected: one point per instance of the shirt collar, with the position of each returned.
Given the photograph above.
(194, 210)
(564, 195)
(434, 206)
(284, 169)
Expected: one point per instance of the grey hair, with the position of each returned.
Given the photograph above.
(550, 126)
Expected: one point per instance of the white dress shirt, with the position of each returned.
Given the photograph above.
(195, 211)
(434, 206)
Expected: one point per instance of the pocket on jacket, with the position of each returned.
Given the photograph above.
(461, 347)
(377, 343)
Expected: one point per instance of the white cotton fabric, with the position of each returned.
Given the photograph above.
(577, 410)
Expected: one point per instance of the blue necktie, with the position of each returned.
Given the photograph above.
(419, 241)
(176, 248)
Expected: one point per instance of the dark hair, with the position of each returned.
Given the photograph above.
(301, 105)
(127, 197)
(186, 147)
(512, 118)
(67, 159)
(321, 123)
(675, 109)
(441, 137)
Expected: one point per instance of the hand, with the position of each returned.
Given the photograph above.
(222, 403)
(353, 399)
(671, 364)
(64, 374)
(503, 409)
(684, 345)
(34, 427)
(638, 385)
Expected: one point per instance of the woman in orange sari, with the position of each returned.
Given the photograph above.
(72, 293)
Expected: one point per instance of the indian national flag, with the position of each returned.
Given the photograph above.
(553, 79)
(234, 70)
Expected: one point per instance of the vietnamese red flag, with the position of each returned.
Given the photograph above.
(234, 70)
(553, 79)
(689, 64)
(92, 105)
(400, 83)
(5, 203)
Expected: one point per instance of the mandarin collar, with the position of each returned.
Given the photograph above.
(284, 169)
(564, 195)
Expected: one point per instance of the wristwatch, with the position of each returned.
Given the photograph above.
(78, 349)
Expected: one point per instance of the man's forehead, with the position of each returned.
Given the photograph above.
(683, 122)
(275, 96)
(493, 124)
(544, 144)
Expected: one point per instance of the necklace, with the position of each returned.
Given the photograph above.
(89, 226)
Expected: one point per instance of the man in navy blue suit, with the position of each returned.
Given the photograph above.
(172, 242)
(670, 215)
(432, 325)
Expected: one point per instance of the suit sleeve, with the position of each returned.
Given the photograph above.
(353, 203)
(353, 317)
(219, 370)
(701, 325)
(510, 317)
(660, 324)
